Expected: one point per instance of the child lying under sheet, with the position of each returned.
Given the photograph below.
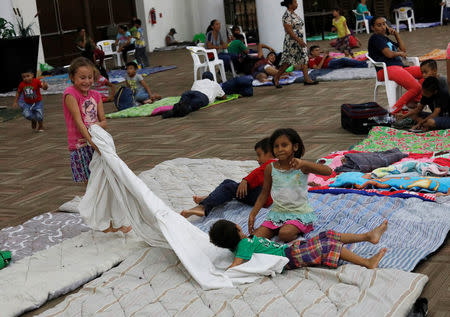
(416, 183)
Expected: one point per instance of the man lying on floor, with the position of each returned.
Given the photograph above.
(202, 93)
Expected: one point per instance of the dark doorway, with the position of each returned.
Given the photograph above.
(59, 20)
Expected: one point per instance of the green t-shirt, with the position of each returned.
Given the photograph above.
(236, 47)
(246, 247)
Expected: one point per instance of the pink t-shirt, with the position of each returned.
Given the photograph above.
(88, 109)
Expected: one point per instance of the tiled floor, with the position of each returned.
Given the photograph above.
(35, 173)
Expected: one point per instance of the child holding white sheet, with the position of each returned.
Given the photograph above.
(286, 180)
(324, 249)
(83, 107)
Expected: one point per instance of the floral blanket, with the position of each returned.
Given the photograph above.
(384, 138)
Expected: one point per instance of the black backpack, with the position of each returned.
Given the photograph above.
(124, 98)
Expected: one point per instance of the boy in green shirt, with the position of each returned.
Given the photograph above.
(324, 249)
(237, 46)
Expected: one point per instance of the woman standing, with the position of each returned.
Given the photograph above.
(383, 49)
(294, 48)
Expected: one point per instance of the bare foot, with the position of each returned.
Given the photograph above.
(124, 229)
(197, 211)
(110, 229)
(375, 235)
(375, 260)
(198, 199)
(33, 124)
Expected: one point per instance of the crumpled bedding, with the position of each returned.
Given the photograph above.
(152, 282)
(368, 161)
(174, 182)
(116, 196)
(413, 183)
(421, 168)
(321, 184)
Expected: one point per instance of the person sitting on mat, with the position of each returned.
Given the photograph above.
(429, 69)
(141, 90)
(439, 102)
(317, 61)
(170, 38)
(325, 249)
(202, 93)
(247, 191)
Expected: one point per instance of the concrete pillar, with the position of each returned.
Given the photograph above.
(270, 27)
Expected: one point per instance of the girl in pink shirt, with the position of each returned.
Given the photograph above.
(83, 107)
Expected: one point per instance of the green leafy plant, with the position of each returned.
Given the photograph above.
(24, 30)
(6, 29)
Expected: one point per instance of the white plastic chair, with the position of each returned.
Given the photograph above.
(106, 46)
(230, 33)
(393, 90)
(444, 7)
(202, 63)
(361, 24)
(401, 14)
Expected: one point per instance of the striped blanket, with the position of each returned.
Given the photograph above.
(416, 227)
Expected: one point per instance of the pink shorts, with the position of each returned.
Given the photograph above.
(301, 226)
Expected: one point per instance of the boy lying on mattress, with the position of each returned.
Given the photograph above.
(324, 249)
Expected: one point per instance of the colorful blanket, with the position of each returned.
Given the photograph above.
(421, 168)
(58, 83)
(118, 75)
(360, 181)
(158, 107)
(321, 184)
(384, 138)
(436, 54)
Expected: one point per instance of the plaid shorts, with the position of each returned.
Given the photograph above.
(79, 162)
(323, 249)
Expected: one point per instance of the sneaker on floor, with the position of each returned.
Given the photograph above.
(405, 123)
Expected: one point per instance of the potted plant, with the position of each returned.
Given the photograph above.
(18, 51)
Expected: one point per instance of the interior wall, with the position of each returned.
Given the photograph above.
(174, 14)
(28, 10)
(188, 17)
(270, 27)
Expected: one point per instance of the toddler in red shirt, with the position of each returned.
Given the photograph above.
(247, 191)
(29, 98)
